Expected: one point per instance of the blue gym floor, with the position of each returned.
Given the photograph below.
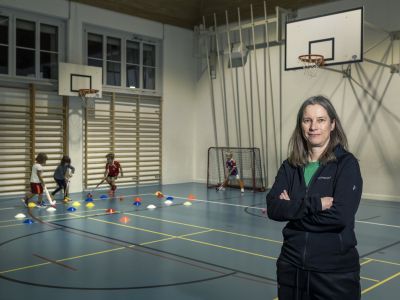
(220, 247)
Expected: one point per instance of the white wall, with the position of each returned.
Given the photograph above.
(370, 121)
(178, 101)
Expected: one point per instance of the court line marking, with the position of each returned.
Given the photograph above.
(186, 239)
(242, 251)
(379, 283)
(384, 261)
(378, 224)
(48, 218)
(55, 262)
(6, 208)
(190, 240)
(228, 204)
(25, 268)
(219, 246)
(366, 262)
(202, 227)
(75, 216)
(183, 237)
(260, 208)
(96, 253)
(59, 202)
(369, 279)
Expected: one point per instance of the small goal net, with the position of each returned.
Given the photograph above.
(248, 164)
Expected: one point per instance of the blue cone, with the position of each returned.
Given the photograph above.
(28, 221)
(89, 200)
(103, 197)
(137, 203)
(71, 208)
(170, 198)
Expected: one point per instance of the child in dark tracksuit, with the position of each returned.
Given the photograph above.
(62, 175)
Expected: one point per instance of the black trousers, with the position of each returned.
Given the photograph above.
(298, 284)
(61, 185)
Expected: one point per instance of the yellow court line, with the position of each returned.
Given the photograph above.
(25, 268)
(202, 227)
(120, 248)
(384, 261)
(369, 279)
(190, 240)
(91, 254)
(379, 283)
(12, 225)
(228, 248)
(132, 227)
(171, 238)
(97, 253)
(366, 262)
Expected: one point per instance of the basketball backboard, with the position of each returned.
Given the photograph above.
(73, 77)
(337, 36)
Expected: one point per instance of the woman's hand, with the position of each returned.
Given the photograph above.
(326, 202)
(284, 195)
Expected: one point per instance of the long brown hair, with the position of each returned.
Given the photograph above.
(298, 148)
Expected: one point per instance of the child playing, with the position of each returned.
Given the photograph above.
(232, 172)
(113, 168)
(62, 175)
(36, 181)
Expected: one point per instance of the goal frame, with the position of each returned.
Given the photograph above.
(256, 181)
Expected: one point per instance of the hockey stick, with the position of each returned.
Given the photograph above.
(226, 179)
(96, 186)
(51, 201)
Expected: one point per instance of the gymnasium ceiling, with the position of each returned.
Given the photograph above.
(189, 13)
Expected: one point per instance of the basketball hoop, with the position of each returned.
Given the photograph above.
(87, 96)
(311, 63)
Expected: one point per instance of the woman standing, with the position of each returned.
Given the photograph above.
(317, 190)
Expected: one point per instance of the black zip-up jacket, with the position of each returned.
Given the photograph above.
(316, 240)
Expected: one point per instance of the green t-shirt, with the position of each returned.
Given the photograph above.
(309, 171)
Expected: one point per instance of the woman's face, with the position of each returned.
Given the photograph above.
(316, 126)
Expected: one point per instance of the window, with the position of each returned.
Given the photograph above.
(4, 44)
(132, 64)
(29, 46)
(149, 66)
(95, 50)
(127, 62)
(48, 51)
(113, 61)
(25, 48)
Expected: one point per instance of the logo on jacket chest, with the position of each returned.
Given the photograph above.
(324, 177)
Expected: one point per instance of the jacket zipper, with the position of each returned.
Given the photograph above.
(305, 250)
(307, 188)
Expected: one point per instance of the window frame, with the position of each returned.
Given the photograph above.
(37, 19)
(124, 37)
(8, 45)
